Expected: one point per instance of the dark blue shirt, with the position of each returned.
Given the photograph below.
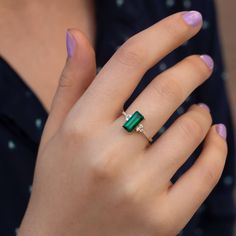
(22, 116)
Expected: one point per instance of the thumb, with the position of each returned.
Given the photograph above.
(78, 73)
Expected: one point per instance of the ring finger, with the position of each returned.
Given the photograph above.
(167, 154)
(179, 141)
(165, 94)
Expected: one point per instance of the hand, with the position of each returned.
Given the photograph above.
(94, 178)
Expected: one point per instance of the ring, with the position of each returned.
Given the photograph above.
(133, 123)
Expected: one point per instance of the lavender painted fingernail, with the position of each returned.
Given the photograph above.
(70, 44)
(221, 130)
(193, 18)
(204, 106)
(208, 60)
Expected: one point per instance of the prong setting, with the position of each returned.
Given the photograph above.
(133, 123)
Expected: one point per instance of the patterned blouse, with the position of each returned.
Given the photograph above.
(22, 116)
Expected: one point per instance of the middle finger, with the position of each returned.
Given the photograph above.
(165, 94)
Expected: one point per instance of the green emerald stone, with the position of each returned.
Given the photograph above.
(133, 121)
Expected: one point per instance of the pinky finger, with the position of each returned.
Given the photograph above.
(188, 193)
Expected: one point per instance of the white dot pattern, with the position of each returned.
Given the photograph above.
(170, 3)
(162, 66)
(228, 180)
(225, 75)
(38, 123)
(180, 110)
(30, 188)
(206, 25)
(162, 130)
(11, 145)
(187, 4)
(119, 3)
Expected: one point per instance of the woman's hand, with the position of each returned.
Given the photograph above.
(94, 178)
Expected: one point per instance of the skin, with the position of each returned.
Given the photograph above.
(33, 33)
(92, 177)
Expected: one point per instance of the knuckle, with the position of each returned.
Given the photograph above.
(173, 28)
(191, 128)
(220, 147)
(212, 173)
(101, 169)
(130, 193)
(131, 54)
(223, 149)
(104, 165)
(202, 115)
(171, 92)
(210, 176)
(197, 65)
(212, 168)
(208, 118)
(71, 131)
(65, 79)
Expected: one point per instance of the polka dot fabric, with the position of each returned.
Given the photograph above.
(22, 116)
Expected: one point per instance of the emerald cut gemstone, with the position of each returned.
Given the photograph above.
(133, 121)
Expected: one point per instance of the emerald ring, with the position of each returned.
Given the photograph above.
(133, 122)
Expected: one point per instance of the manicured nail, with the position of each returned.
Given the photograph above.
(204, 106)
(221, 130)
(193, 18)
(208, 60)
(70, 44)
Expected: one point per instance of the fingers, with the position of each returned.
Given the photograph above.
(79, 71)
(167, 92)
(119, 77)
(167, 154)
(179, 141)
(188, 193)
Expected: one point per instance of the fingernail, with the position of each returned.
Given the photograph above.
(70, 44)
(221, 130)
(204, 106)
(193, 18)
(208, 60)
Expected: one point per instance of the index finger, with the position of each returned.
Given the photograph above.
(119, 77)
